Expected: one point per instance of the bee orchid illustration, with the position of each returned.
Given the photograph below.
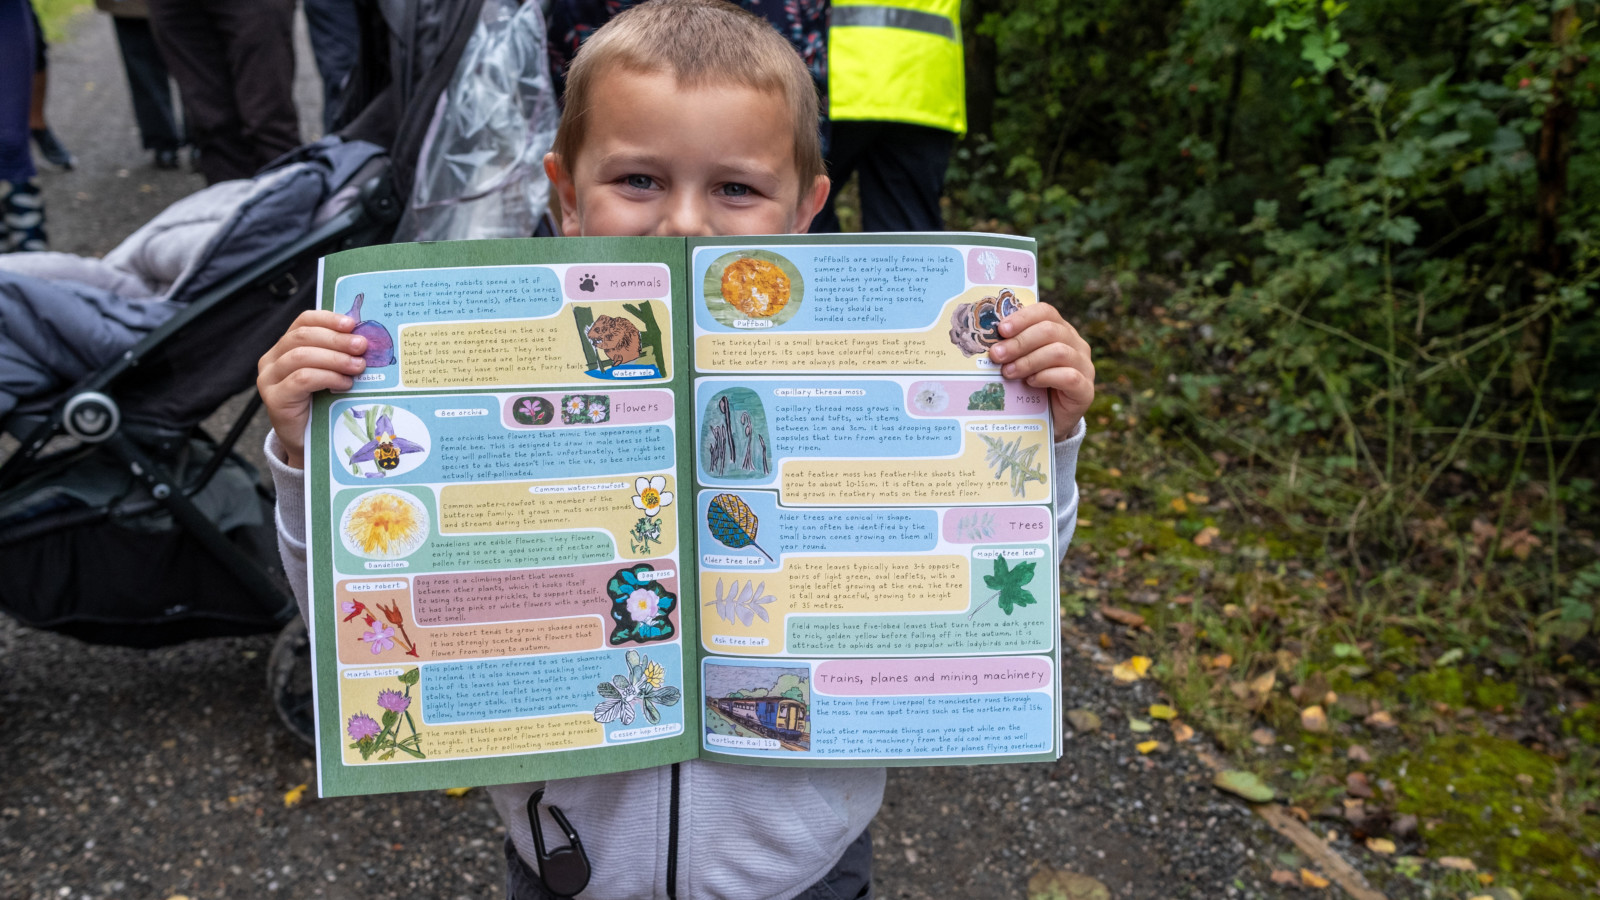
(385, 447)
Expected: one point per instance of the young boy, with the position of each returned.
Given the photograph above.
(685, 117)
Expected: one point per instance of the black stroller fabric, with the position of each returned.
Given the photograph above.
(70, 573)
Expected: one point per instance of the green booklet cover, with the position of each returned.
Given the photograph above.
(601, 504)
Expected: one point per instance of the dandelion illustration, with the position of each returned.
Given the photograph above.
(393, 700)
(652, 494)
(380, 636)
(385, 525)
(931, 398)
(363, 727)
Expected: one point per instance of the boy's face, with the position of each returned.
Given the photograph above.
(658, 159)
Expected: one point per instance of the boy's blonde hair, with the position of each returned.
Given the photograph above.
(699, 42)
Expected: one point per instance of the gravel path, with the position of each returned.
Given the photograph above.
(152, 774)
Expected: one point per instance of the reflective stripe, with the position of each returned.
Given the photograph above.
(894, 17)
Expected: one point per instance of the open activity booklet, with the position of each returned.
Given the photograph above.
(601, 504)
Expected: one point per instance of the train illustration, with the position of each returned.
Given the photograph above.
(783, 718)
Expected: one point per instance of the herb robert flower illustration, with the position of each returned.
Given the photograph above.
(378, 636)
(370, 736)
(644, 685)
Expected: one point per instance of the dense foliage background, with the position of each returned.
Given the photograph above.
(1339, 263)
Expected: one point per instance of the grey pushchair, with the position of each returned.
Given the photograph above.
(122, 521)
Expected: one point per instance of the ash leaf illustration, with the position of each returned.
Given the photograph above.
(973, 527)
(1009, 586)
(743, 605)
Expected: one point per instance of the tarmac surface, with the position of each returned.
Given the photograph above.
(154, 774)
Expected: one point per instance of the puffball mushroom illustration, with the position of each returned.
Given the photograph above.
(380, 345)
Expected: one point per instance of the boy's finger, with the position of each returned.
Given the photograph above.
(309, 358)
(1056, 354)
(317, 328)
(294, 389)
(1035, 336)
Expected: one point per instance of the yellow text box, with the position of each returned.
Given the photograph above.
(510, 352)
(514, 506)
(896, 585)
(966, 479)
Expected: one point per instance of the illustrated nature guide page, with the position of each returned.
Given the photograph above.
(603, 504)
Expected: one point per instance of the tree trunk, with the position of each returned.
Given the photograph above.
(981, 60)
(1555, 142)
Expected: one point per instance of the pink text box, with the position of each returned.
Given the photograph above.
(1020, 398)
(1007, 268)
(641, 282)
(1007, 524)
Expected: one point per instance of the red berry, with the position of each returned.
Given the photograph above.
(1193, 88)
(1184, 152)
(1524, 83)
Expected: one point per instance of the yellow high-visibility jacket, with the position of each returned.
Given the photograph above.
(897, 61)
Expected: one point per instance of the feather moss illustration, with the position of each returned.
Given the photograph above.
(1012, 456)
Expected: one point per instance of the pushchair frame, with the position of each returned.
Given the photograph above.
(91, 415)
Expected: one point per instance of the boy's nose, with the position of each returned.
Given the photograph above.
(686, 216)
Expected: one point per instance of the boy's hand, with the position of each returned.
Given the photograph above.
(1042, 349)
(317, 353)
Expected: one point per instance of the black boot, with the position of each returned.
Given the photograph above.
(51, 148)
(23, 211)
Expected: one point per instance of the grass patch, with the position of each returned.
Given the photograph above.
(56, 15)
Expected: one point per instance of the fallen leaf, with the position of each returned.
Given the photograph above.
(1182, 732)
(1459, 863)
(1196, 499)
(1221, 661)
(1380, 719)
(1486, 878)
(456, 792)
(293, 795)
(1114, 472)
(1163, 712)
(1299, 812)
(1265, 737)
(1314, 720)
(1083, 720)
(1138, 726)
(1122, 616)
(1132, 670)
(1356, 785)
(1178, 505)
(1147, 746)
(1245, 784)
(1183, 599)
(1284, 876)
(1313, 880)
(1380, 845)
(1059, 884)
(1263, 685)
(1206, 536)
(1105, 641)
(1358, 753)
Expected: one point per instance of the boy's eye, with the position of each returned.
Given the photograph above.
(736, 190)
(640, 182)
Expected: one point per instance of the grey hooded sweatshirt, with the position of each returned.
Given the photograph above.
(743, 832)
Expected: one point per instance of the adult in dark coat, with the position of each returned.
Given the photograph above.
(234, 64)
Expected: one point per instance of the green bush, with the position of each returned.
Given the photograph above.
(1379, 228)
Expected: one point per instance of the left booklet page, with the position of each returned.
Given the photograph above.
(493, 516)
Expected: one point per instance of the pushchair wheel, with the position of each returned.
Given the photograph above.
(289, 679)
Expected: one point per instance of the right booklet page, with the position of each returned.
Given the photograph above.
(876, 505)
